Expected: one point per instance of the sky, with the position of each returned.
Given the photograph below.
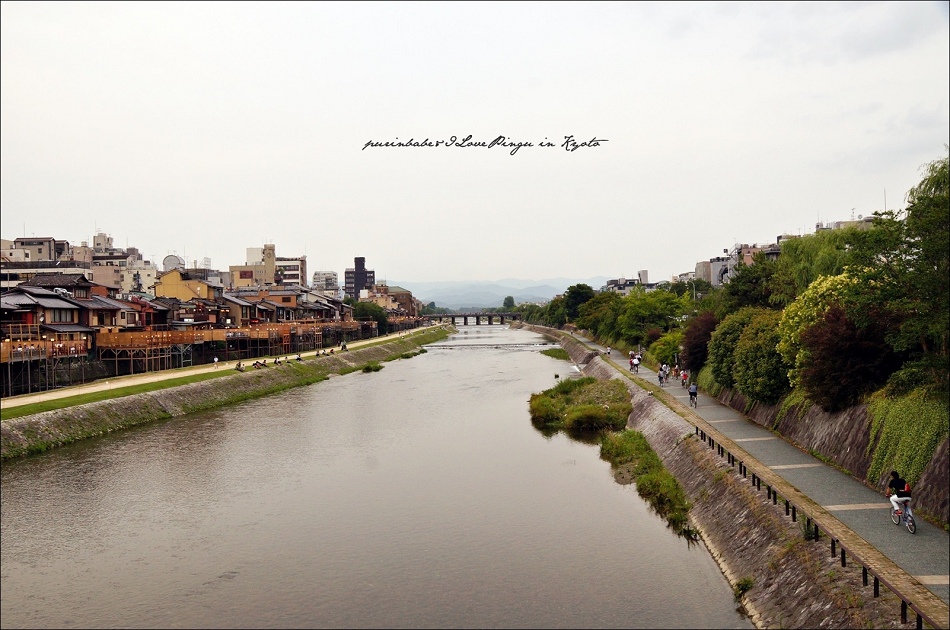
(204, 129)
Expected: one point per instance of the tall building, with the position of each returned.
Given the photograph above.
(326, 283)
(358, 278)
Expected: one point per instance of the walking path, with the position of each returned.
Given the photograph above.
(925, 556)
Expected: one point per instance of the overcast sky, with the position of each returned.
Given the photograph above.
(204, 129)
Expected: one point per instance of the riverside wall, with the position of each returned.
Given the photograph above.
(844, 439)
(42, 431)
(795, 583)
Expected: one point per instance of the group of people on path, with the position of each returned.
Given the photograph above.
(635, 359)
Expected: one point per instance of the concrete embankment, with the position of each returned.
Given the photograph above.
(42, 431)
(794, 582)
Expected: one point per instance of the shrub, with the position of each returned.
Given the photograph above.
(699, 331)
(844, 362)
(760, 372)
(665, 349)
(722, 345)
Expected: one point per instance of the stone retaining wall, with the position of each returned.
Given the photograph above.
(843, 439)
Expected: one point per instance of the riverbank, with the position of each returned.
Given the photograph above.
(50, 429)
(781, 577)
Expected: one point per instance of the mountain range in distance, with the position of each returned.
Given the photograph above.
(491, 294)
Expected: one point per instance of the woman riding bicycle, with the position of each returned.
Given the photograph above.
(900, 489)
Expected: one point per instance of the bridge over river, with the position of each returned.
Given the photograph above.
(489, 317)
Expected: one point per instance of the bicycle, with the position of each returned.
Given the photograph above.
(693, 400)
(905, 516)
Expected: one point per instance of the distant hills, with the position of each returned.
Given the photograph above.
(486, 294)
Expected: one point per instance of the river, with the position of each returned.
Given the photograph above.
(416, 496)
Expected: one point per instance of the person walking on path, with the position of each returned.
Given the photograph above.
(216, 363)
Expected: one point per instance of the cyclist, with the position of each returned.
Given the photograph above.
(899, 488)
(693, 392)
(684, 376)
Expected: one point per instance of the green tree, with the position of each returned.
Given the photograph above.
(722, 345)
(574, 297)
(759, 370)
(645, 310)
(665, 349)
(599, 315)
(509, 302)
(803, 260)
(370, 310)
(808, 309)
(750, 285)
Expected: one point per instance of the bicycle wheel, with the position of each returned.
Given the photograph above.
(895, 517)
(911, 524)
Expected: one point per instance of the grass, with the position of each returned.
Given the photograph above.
(117, 392)
(654, 483)
(582, 404)
(557, 353)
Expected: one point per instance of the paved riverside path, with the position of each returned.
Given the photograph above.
(925, 556)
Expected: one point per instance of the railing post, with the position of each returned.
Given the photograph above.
(877, 587)
(903, 611)
(843, 560)
(833, 552)
(864, 575)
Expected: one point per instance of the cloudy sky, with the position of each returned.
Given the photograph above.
(204, 129)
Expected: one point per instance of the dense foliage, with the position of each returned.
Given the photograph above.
(722, 345)
(699, 331)
(838, 315)
(760, 373)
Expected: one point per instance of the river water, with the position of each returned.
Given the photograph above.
(416, 496)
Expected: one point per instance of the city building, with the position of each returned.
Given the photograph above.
(358, 278)
(262, 268)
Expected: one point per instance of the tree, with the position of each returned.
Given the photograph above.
(803, 260)
(574, 297)
(699, 331)
(844, 361)
(722, 345)
(759, 370)
(599, 315)
(509, 302)
(644, 310)
(695, 288)
(665, 349)
(808, 309)
(750, 285)
(371, 310)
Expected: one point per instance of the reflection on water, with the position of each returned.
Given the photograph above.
(417, 496)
